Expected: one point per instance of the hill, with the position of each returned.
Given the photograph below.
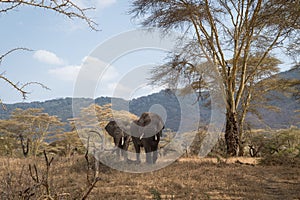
(167, 102)
(285, 102)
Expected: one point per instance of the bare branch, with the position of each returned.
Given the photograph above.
(21, 88)
(35, 175)
(34, 83)
(90, 188)
(65, 7)
(10, 7)
(14, 86)
(13, 50)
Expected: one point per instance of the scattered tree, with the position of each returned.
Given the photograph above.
(31, 128)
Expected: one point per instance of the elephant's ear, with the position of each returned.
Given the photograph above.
(161, 125)
(157, 121)
(160, 122)
(110, 128)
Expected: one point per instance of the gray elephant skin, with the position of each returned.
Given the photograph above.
(121, 138)
(146, 132)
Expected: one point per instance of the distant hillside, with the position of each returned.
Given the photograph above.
(168, 102)
(286, 102)
(178, 110)
(63, 107)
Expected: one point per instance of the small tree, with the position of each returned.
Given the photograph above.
(91, 121)
(10, 143)
(37, 128)
(66, 143)
(99, 116)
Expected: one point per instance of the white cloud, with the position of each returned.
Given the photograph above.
(67, 73)
(48, 57)
(105, 3)
(92, 69)
(97, 70)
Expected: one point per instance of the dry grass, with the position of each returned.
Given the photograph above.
(191, 178)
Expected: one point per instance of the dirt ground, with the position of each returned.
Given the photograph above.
(187, 178)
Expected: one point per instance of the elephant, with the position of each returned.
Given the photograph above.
(121, 138)
(146, 132)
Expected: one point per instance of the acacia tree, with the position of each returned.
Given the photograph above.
(28, 130)
(37, 128)
(10, 130)
(66, 143)
(227, 35)
(64, 7)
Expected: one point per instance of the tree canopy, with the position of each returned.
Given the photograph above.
(236, 38)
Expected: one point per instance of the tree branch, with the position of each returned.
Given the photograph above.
(65, 7)
(13, 50)
(10, 7)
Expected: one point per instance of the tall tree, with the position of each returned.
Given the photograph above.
(227, 35)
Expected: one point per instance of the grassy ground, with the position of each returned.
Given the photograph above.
(185, 179)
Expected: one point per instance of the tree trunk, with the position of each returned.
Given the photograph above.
(231, 134)
(25, 147)
(241, 134)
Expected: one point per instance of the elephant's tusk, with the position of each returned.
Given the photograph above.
(122, 142)
(142, 136)
(155, 138)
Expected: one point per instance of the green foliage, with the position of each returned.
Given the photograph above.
(7, 146)
(155, 194)
(194, 149)
(96, 115)
(282, 158)
(27, 130)
(281, 147)
(219, 149)
(66, 144)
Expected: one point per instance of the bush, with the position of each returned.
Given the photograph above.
(282, 148)
(195, 146)
(282, 158)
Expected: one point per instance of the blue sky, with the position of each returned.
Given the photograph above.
(61, 45)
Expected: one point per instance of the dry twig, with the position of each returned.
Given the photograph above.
(65, 7)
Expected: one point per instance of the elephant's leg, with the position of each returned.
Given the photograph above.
(117, 141)
(154, 147)
(155, 153)
(149, 157)
(137, 148)
(148, 150)
(125, 147)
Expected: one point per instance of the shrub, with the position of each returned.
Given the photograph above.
(282, 158)
(282, 148)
